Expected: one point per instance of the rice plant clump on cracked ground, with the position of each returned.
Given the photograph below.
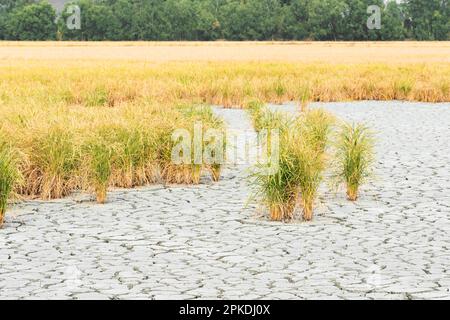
(274, 183)
(354, 157)
(313, 131)
(301, 163)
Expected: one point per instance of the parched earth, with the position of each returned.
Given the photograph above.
(207, 242)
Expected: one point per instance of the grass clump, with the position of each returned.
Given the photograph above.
(302, 160)
(275, 183)
(214, 143)
(9, 175)
(318, 125)
(354, 156)
(67, 148)
(195, 135)
(265, 119)
(135, 155)
(309, 164)
(305, 98)
(99, 157)
(52, 171)
(255, 109)
(98, 97)
(310, 150)
(278, 191)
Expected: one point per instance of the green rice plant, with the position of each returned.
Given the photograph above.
(269, 120)
(216, 170)
(301, 163)
(135, 154)
(186, 172)
(99, 155)
(276, 189)
(279, 88)
(403, 87)
(130, 145)
(263, 118)
(305, 98)
(312, 132)
(255, 109)
(214, 152)
(354, 157)
(277, 192)
(214, 145)
(317, 125)
(201, 113)
(308, 168)
(98, 97)
(198, 120)
(53, 165)
(9, 175)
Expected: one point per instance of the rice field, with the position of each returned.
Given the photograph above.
(102, 83)
(78, 116)
(286, 51)
(78, 121)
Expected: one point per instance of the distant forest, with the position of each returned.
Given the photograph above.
(206, 20)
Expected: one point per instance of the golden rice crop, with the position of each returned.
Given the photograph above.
(53, 163)
(97, 83)
(96, 124)
(92, 147)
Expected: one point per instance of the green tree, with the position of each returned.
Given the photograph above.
(229, 19)
(327, 19)
(355, 20)
(182, 18)
(150, 21)
(296, 16)
(97, 22)
(208, 26)
(3, 20)
(252, 19)
(123, 11)
(429, 19)
(392, 22)
(31, 22)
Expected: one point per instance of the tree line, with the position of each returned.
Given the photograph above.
(207, 20)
